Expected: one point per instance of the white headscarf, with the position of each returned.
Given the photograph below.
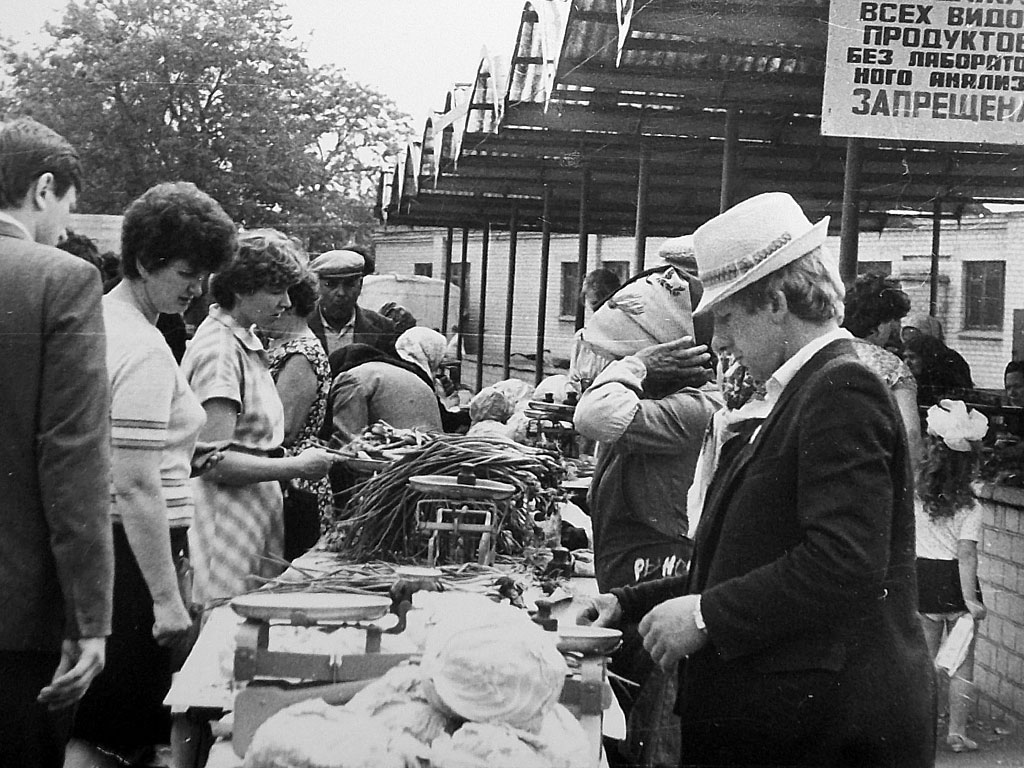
(423, 346)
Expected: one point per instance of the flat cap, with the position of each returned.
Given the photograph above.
(679, 252)
(338, 264)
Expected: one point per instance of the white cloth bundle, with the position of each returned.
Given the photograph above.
(652, 309)
(953, 650)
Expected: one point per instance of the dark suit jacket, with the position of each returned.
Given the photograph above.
(805, 561)
(370, 328)
(56, 555)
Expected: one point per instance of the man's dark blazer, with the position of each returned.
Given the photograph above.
(370, 328)
(805, 561)
(56, 552)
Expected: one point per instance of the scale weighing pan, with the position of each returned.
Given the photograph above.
(587, 639)
(448, 487)
(310, 606)
(365, 465)
(560, 409)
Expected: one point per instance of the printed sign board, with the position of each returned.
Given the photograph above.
(941, 70)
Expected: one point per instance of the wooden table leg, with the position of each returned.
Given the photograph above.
(191, 738)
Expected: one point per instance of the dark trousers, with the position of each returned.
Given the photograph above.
(30, 735)
(123, 710)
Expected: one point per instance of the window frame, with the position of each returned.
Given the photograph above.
(975, 312)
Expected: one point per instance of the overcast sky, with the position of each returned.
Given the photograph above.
(411, 50)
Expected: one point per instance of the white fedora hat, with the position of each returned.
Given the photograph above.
(751, 240)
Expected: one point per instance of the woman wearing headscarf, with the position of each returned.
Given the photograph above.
(921, 323)
(371, 386)
(426, 348)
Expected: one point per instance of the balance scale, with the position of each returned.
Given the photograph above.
(273, 680)
(551, 424)
(462, 516)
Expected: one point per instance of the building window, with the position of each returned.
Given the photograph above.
(423, 269)
(874, 268)
(570, 289)
(983, 295)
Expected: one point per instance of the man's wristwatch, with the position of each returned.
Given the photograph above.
(698, 618)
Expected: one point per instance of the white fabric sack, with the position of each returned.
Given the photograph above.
(652, 309)
(953, 650)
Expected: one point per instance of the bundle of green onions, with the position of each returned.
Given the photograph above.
(379, 521)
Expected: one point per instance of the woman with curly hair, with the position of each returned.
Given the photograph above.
(172, 238)
(948, 526)
(874, 306)
(239, 528)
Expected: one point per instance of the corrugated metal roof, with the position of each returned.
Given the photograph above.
(588, 90)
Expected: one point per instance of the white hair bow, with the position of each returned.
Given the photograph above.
(957, 426)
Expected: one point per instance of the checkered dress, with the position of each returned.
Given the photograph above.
(235, 525)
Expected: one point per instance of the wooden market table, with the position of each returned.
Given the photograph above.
(204, 689)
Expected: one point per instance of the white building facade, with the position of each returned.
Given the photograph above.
(980, 297)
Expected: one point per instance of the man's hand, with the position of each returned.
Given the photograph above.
(601, 611)
(677, 362)
(80, 662)
(670, 633)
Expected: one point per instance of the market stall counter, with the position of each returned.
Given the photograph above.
(321, 632)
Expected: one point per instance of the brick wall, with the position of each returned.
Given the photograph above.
(994, 237)
(999, 654)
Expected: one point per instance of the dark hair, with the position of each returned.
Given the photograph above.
(603, 282)
(29, 149)
(1014, 366)
(267, 260)
(872, 300)
(944, 372)
(175, 221)
(83, 247)
(944, 478)
(304, 294)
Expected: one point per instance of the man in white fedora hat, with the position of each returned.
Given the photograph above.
(798, 617)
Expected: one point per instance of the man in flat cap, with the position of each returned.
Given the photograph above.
(338, 320)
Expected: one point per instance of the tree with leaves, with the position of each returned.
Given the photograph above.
(215, 92)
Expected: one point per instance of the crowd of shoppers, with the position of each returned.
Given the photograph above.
(790, 586)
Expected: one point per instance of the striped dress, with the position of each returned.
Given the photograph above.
(236, 526)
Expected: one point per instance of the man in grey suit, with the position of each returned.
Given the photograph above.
(56, 562)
